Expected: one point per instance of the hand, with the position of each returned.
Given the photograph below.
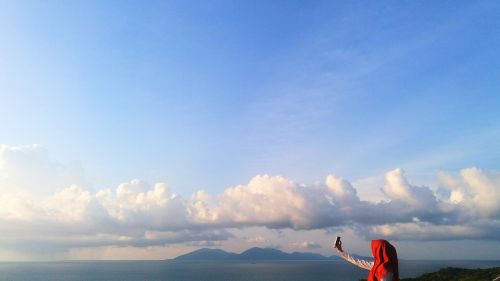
(338, 247)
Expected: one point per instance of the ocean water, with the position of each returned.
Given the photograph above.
(209, 271)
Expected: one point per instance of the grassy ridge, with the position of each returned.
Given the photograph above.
(458, 274)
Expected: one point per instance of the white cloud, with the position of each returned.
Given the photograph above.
(139, 215)
(341, 190)
(427, 231)
(266, 200)
(397, 188)
(257, 240)
(306, 245)
(482, 190)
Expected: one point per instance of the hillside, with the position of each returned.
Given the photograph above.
(252, 254)
(207, 254)
(458, 274)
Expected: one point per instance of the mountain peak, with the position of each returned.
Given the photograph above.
(252, 254)
(206, 254)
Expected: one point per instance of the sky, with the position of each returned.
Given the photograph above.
(145, 130)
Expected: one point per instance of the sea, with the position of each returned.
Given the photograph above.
(210, 271)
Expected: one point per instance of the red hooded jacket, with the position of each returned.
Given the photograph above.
(386, 261)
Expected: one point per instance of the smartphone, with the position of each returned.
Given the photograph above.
(338, 243)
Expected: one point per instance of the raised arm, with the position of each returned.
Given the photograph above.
(365, 264)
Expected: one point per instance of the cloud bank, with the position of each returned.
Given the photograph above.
(465, 206)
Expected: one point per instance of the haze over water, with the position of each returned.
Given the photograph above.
(208, 271)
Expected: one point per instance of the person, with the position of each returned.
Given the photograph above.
(385, 264)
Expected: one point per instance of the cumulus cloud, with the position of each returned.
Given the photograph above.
(397, 188)
(424, 231)
(306, 245)
(475, 190)
(271, 201)
(137, 214)
(257, 240)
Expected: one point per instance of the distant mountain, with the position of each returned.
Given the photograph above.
(252, 254)
(263, 254)
(207, 254)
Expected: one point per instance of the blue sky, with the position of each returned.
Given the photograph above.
(208, 94)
